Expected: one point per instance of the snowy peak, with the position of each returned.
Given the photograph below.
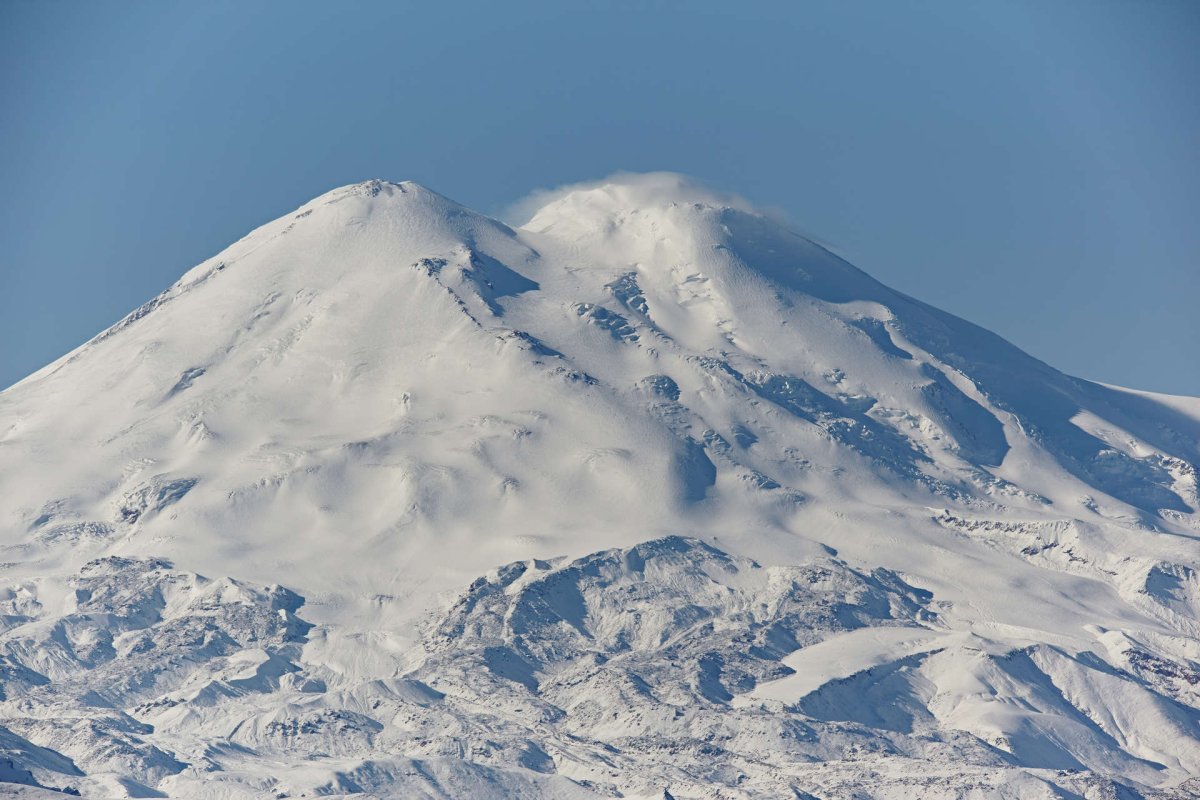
(663, 216)
(738, 484)
(362, 288)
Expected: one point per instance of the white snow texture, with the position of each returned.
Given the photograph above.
(648, 497)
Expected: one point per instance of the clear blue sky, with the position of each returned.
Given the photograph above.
(1032, 166)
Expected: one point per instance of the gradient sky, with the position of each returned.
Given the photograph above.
(1032, 166)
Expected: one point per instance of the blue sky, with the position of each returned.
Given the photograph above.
(1032, 166)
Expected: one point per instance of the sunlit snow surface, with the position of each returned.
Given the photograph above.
(646, 495)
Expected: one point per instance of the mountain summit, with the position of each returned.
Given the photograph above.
(646, 495)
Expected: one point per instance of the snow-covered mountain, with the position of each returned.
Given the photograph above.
(646, 497)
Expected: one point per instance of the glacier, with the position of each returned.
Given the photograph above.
(646, 496)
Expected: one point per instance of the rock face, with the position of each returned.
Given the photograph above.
(770, 529)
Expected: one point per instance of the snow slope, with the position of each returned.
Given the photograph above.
(648, 494)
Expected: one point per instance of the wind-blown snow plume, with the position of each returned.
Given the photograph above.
(629, 190)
